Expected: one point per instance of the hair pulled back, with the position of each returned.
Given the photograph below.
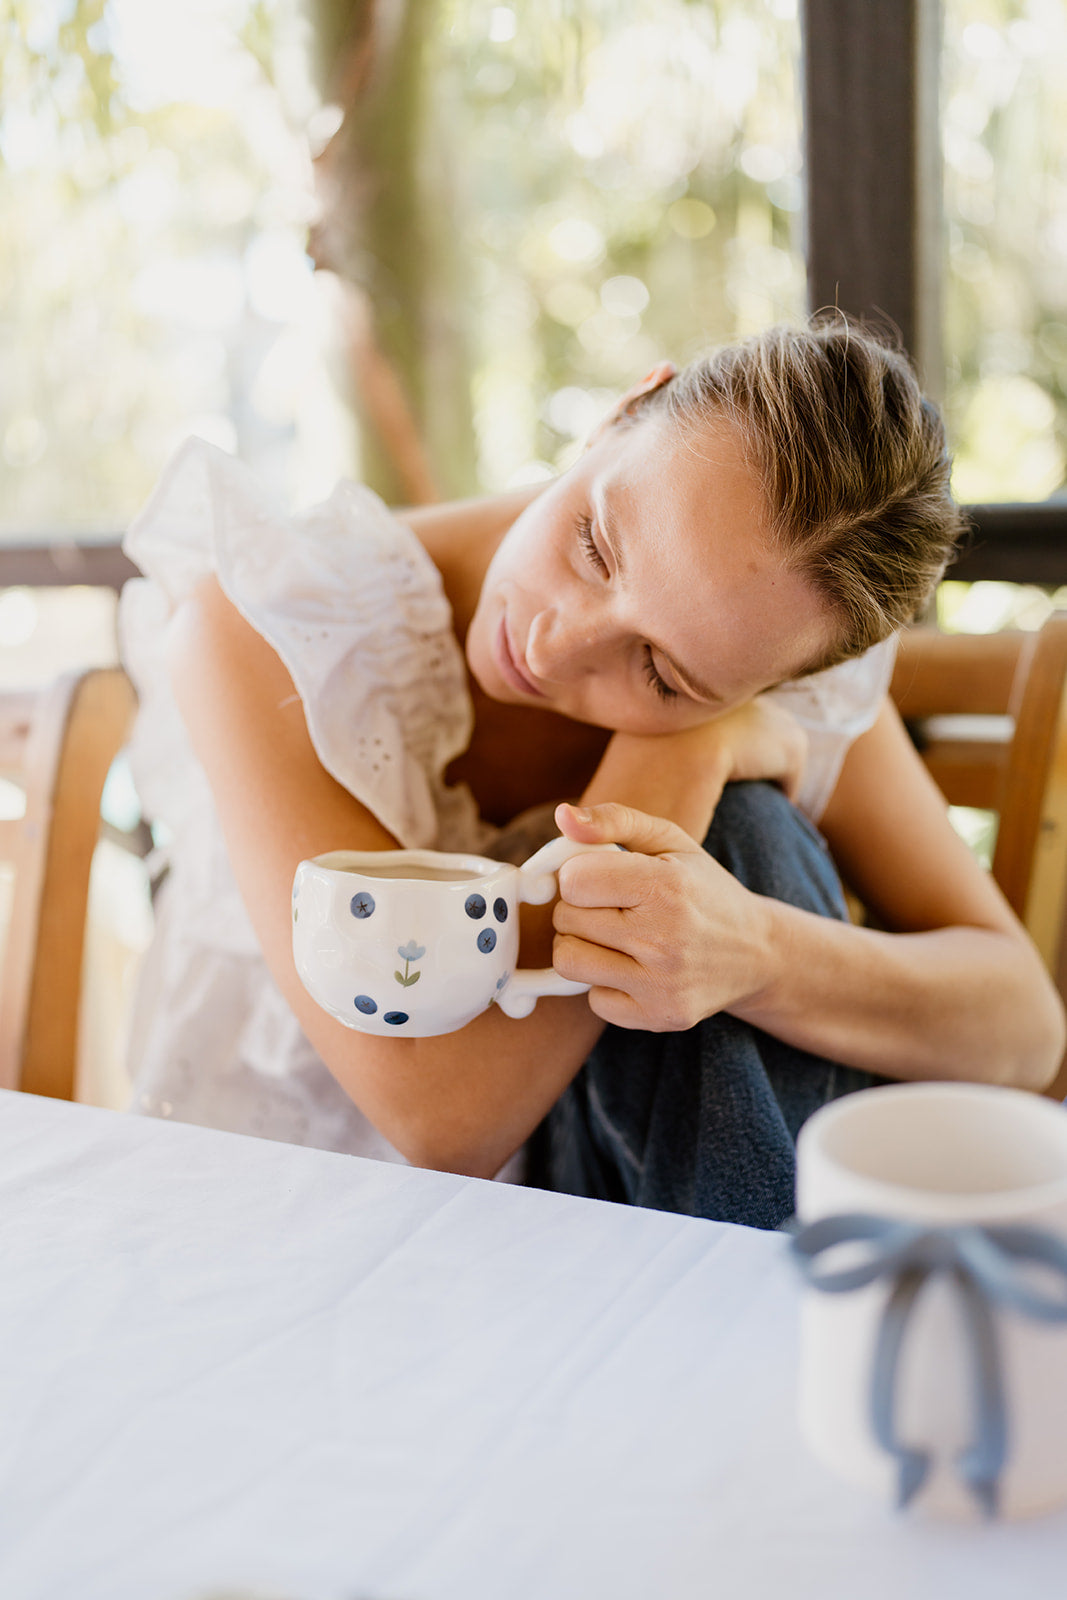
(852, 460)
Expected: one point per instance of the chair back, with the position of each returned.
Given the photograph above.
(57, 744)
(988, 713)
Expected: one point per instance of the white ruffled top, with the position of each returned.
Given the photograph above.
(352, 603)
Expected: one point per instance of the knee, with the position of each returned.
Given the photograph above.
(768, 845)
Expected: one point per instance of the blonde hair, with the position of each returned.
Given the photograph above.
(852, 460)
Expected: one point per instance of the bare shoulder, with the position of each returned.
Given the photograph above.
(247, 725)
(438, 526)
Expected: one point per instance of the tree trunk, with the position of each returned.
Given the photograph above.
(391, 234)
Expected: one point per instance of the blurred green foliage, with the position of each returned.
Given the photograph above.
(538, 199)
(141, 160)
(1004, 137)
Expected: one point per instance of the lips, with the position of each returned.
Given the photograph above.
(510, 669)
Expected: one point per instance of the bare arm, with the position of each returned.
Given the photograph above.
(955, 989)
(463, 1101)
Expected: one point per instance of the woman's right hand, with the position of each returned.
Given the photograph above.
(663, 935)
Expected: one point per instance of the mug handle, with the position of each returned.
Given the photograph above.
(537, 885)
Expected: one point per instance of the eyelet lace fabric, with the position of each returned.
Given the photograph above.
(353, 605)
(834, 707)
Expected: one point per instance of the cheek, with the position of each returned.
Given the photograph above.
(477, 646)
(640, 711)
(627, 707)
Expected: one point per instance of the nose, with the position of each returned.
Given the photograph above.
(564, 642)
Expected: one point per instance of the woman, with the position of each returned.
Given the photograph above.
(776, 511)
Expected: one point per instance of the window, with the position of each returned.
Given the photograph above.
(1004, 139)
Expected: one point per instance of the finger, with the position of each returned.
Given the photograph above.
(621, 990)
(603, 925)
(595, 964)
(612, 823)
(622, 881)
(628, 1010)
(612, 929)
(619, 1008)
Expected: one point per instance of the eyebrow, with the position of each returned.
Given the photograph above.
(693, 686)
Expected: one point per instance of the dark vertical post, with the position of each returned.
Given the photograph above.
(873, 166)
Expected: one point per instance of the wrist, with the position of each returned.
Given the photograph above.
(771, 959)
(666, 775)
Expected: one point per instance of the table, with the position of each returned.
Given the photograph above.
(231, 1366)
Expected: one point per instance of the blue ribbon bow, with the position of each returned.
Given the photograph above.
(984, 1265)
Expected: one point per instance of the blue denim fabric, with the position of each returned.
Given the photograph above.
(705, 1122)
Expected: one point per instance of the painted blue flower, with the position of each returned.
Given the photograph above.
(501, 985)
(408, 953)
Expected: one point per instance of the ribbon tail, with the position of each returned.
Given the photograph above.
(913, 1465)
(981, 1462)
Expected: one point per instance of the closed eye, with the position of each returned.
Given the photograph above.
(584, 527)
(657, 684)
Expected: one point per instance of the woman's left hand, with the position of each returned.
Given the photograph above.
(764, 740)
(661, 932)
(681, 775)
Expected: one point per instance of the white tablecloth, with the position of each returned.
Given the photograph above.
(227, 1364)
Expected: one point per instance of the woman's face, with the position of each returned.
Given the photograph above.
(639, 592)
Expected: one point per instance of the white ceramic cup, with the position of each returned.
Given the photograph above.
(410, 943)
(934, 1153)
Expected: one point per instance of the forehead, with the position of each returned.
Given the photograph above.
(693, 527)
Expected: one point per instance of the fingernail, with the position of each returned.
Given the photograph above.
(582, 813)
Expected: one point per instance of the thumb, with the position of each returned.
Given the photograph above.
(617, 824)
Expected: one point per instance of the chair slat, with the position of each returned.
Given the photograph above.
(972, 674)
(967, 773)
(61, 740)
(946, 687)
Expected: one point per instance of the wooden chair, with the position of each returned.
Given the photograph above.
(56, 746)
(988, 713)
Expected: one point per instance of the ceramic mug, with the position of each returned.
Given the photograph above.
(410, 943)
(941, 1155)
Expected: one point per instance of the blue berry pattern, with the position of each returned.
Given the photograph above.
(362, 904)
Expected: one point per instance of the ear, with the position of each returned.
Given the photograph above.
(660, 374)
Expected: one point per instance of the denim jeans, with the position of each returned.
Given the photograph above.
(704, 1122)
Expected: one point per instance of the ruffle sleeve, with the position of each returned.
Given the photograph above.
(351, 602)
(834, 707)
